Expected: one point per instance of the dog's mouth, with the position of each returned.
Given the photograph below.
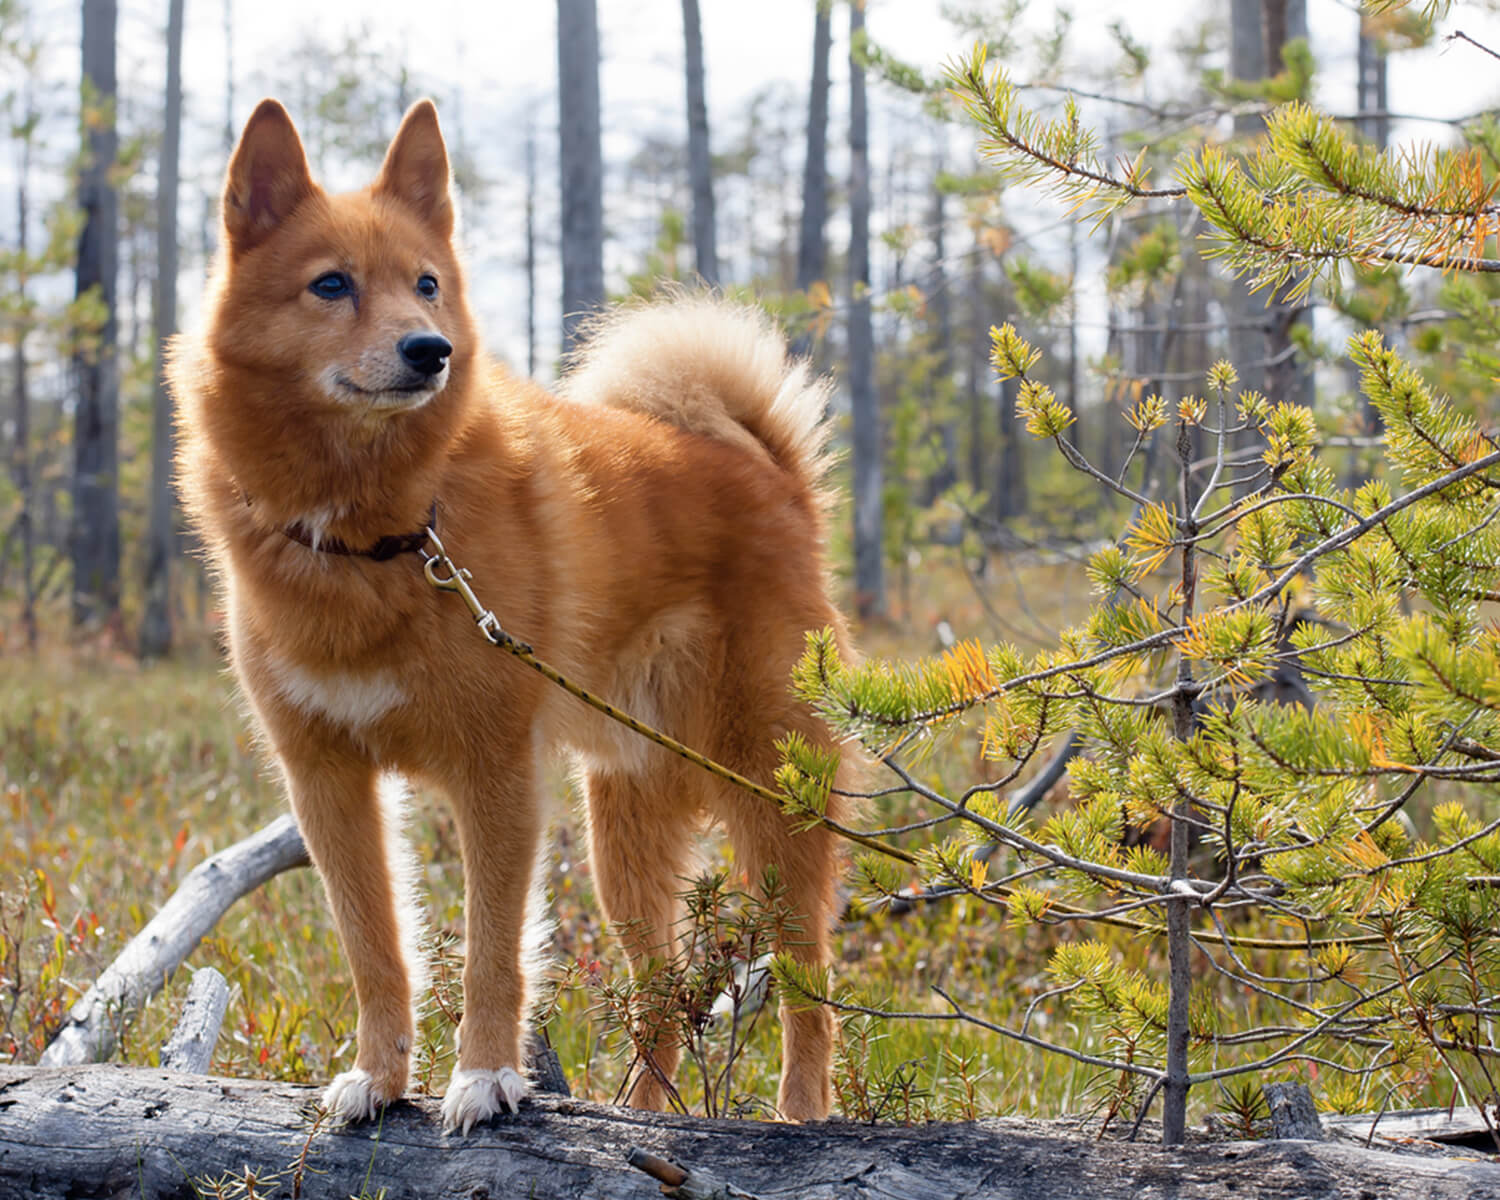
(407, 394)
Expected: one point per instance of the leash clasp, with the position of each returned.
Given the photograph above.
(457, 579)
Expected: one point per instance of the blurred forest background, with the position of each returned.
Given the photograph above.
(851, 199)
(861, 213)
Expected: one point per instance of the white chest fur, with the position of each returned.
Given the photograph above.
(353, 699)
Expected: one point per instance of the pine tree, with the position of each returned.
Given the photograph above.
(1252, 577)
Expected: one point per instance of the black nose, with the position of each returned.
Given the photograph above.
(425, 352)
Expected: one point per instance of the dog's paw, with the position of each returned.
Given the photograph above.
(475, 1096)
(354, 1096)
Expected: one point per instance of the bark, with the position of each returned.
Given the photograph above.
(95, 533)
(156, 622)
(581, 163)
(118, 1131)
(700, 163)
(869, 558)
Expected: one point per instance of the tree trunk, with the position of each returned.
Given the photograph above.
(95, 534)
(531, 248)
(869, 558)
(1286, 380)
(156, 623)
(1010, 485)
(1247, 313)
(231, 134)
(977, 376)
(942, 372)
(1075, 392)
(118, 1131)
(581, 163)
(22, 448)
(700, 163)
(1373, 99)
(811, 256)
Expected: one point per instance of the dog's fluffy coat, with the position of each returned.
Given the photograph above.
(656, 532)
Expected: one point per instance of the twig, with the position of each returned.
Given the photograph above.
(682, 1184)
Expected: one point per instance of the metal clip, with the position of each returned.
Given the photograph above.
(489, 625)
(457, 580)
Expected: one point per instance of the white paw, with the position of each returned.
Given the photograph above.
(352, 1097)
(475, 1096)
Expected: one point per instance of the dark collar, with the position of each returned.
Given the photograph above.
(383, 550)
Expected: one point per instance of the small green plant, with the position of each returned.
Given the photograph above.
(869, 1088)
(707, 997)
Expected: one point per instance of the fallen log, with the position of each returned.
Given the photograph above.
(121, 1131)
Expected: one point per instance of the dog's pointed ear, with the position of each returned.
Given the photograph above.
(415, 171)
(267, 179)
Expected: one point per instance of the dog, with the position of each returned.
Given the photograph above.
(656, 530)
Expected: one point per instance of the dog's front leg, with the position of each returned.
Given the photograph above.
(334, 796)
(499, 826)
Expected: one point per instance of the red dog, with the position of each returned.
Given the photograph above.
(656, 532)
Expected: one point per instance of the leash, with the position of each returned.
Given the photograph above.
(447, 576)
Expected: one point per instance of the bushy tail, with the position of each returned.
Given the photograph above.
(710, 366)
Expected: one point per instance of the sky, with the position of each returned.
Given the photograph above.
(493, 65)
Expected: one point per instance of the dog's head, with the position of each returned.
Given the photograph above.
(355, 300)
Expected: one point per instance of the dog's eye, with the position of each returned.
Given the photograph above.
(332, 286)
(427, 286)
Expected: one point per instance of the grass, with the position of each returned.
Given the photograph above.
(119, 777)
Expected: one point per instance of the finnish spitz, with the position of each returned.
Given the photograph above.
(656, 531)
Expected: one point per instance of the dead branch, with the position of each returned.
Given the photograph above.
(150, 958)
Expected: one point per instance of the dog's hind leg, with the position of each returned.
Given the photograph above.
(641, 829)
(807, 867)
(351, 841)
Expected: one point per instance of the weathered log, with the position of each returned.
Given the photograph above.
(190, 1049)
(149, 959)
(109, 1131)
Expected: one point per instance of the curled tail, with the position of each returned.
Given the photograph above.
(710, 366)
